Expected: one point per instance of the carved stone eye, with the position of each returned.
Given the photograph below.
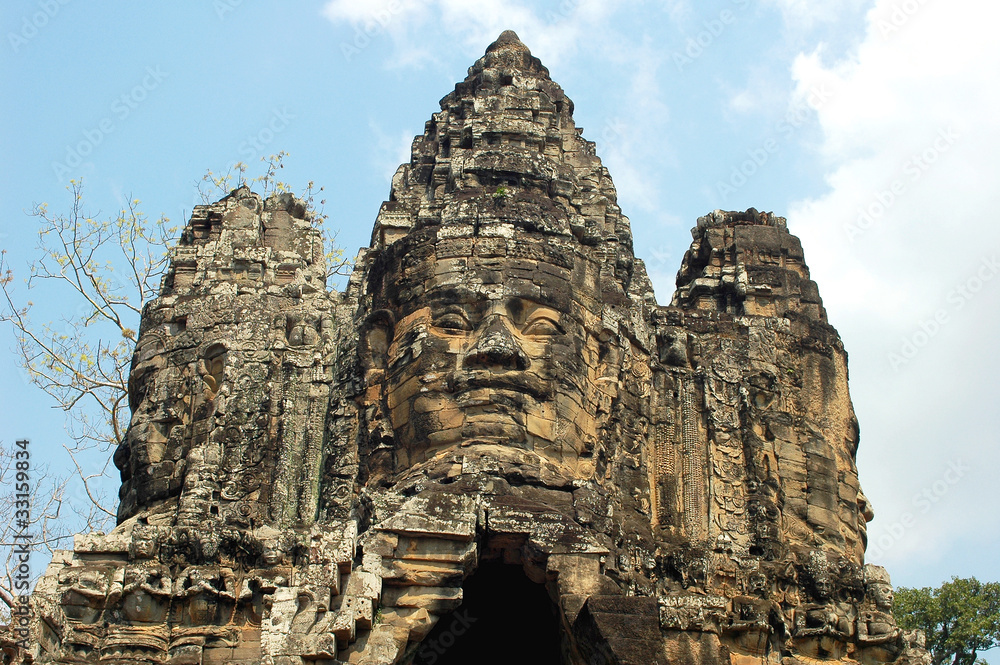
(138, 386)
(452, 322)
(541, 326)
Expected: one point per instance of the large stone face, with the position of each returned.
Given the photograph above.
(235, 350)
(496, 352)
(495, 401)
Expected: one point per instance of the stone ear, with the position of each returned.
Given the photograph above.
(213, 364)
(609, 356)
(376, 336)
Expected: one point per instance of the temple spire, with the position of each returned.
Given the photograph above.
(504, 147)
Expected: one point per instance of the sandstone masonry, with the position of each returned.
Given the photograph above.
(494, 445)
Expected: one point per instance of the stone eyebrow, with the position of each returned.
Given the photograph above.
(453, 294)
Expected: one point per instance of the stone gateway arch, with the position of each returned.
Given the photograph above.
(492, 446)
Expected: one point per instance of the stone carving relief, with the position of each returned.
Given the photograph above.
(315, 476)
(497, 352)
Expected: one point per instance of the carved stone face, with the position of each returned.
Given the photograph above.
(155, 393)
(882, 595)
(500, 352)
(165, 401)
(879, 587)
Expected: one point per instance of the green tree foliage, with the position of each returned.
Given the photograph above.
(961, 618)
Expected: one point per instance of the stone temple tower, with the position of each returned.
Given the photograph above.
(494, 445)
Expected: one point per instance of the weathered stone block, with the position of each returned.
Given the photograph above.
(496, 385)
(436, 600)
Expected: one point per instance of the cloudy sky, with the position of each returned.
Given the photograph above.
(870, 125)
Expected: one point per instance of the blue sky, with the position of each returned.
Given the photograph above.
(870, 124)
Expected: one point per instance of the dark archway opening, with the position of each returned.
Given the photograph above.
(504, 618)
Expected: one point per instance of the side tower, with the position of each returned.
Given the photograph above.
(231, 460)
(231, 378)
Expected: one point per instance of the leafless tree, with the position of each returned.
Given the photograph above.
(42, 518)
(106, 268)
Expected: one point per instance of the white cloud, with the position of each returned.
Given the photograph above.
(745, 101)
(554, 34)
(805, 14)
(678, 10)
(624, 141)
(910, 135)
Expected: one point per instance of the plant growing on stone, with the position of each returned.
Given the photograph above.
(214, 186)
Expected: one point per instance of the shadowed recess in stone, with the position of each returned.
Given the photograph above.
(502, 610)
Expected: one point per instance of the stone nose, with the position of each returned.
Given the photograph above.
(496, 347)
